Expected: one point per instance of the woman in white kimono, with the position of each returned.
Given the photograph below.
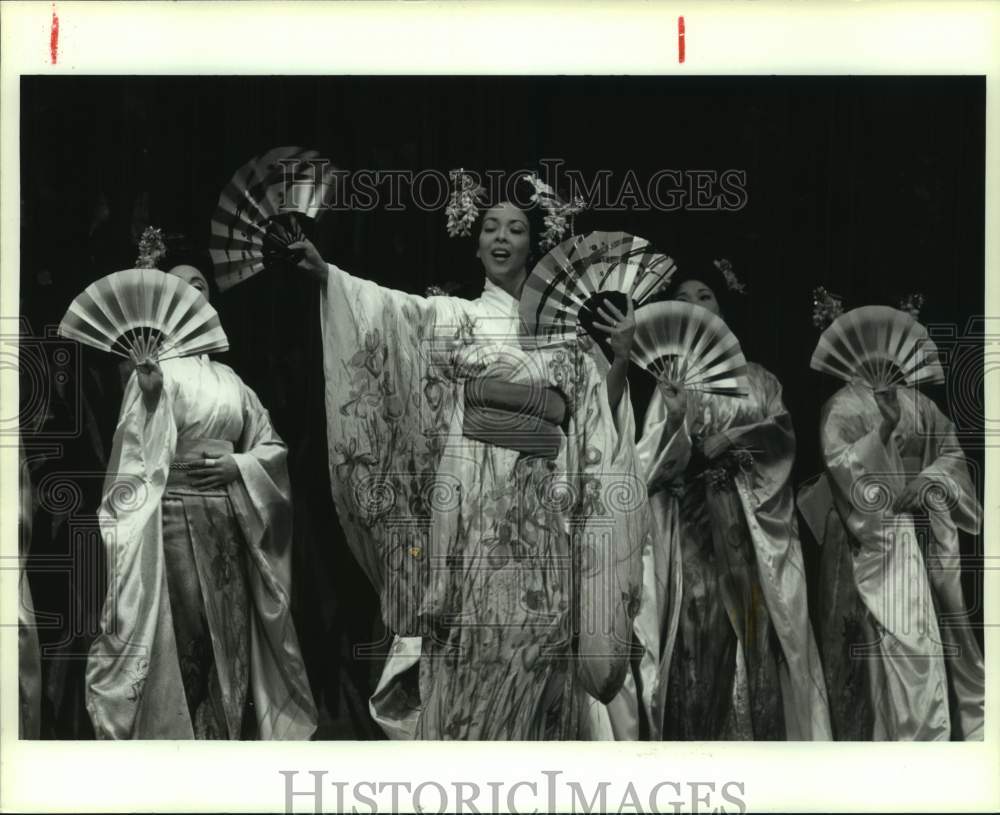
(197, 639)
(488, 494)
(888, 512)
(729, 653)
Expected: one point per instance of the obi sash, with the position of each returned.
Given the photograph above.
(526, 418)
(189, 454)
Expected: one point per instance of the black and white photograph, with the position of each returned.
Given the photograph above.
(387, 407)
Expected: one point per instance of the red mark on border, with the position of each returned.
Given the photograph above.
(680, 39)
(54, 36)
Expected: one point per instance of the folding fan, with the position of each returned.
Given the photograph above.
(568, 285)
(270, 202)
(879, 346)
(139, 313)
(689, 346)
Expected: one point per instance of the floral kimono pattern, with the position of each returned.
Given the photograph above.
(900, 654)
(511, 580)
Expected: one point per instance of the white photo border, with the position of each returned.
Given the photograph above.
(722, 38)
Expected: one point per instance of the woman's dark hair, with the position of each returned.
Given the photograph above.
(182, 253)
(706, 273)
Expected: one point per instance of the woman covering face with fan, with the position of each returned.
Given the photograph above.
(484, 485)
(196, 639)
(729, 652)
(887, 512)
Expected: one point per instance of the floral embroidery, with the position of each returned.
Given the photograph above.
(138, 677)
(727, 467)
(224, 565)
(591, 502)
(352, 459)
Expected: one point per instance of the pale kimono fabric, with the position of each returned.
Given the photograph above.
(759, 423)
(29, 672)
(473, 548)
(134, 685)
(904, 591)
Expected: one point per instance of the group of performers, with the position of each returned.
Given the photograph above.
(572, 577)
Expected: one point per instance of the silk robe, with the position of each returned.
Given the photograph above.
(134, 679)
(511, 580)
(900, 570)
(727, 565)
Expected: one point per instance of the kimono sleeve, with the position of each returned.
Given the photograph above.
(949, 470)
(125, 652)
(865, 474)
(143, 447)
(262, 501)
(385, 413)
(610, 529)
(663, 451)
(771, 440)
(265, 500)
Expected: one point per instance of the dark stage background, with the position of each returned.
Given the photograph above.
(870, 186)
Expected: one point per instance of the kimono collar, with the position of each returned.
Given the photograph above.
(499, 298)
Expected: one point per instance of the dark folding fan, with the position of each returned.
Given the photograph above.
(581, 274)
(270, 203)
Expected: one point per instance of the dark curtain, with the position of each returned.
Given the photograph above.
(871, 186)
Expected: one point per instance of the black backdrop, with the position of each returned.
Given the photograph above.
(871, 186)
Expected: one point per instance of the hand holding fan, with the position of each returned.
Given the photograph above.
(144, 314)
(583, 273)
(880, 346)
(270, 203)
(689, 347)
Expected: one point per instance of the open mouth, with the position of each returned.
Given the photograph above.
(500, 255)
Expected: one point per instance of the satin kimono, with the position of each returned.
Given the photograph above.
(197, 640)
(902, 661)
(511, 580)
(728, 650)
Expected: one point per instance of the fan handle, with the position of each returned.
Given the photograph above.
(588, 316)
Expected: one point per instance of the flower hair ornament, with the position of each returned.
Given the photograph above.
(827, 307)
(152, 249)
(559, 215)
(733, 283)
(911, 304)
(463, 207)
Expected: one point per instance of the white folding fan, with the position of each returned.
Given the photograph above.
(880, 346)
(562, 290)
(689, 346)
(246, 231)
(139, 313)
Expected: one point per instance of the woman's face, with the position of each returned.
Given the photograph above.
(696, 292)
(189, 274)
(504, 242)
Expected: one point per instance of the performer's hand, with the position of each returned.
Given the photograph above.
(150, 377)
(675, 398)
(312, 262)
(888, 405)
(911, 499)
(215, 473)
(715, 445)
(619, 327)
